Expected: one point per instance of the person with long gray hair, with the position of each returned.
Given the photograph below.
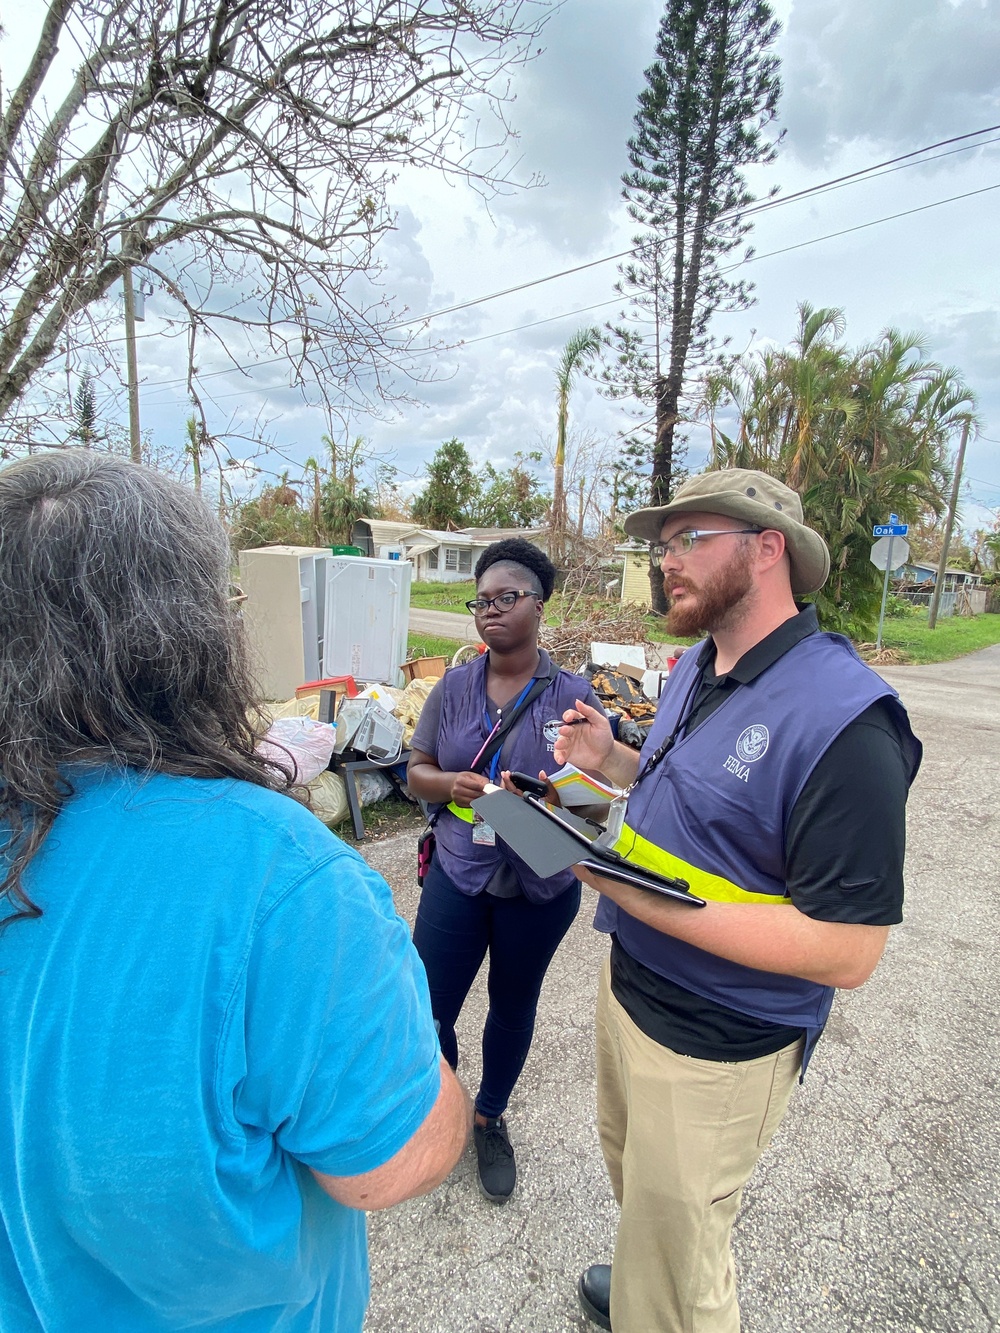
(217, 1046)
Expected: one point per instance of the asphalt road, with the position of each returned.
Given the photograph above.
(443, 625)
(876, 1207)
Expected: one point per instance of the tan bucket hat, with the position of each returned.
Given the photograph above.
(757, 499)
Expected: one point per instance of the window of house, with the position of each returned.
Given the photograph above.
(460, 561)
(432, 559)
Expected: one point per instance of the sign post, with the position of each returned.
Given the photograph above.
(881, 558)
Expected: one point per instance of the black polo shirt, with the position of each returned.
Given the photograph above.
(844, 848)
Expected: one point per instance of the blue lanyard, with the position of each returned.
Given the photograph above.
(495, 761)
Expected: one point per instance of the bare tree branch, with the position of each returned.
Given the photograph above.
(244, 152)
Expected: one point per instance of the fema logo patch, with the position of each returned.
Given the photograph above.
(551, 730)
(753, 742)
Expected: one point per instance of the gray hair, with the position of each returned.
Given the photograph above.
(118, 645)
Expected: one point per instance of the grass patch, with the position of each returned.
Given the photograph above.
(950, 638)
(427, 645)
(443, 596)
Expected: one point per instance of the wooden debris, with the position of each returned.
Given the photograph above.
(569, 643)
(869, 652)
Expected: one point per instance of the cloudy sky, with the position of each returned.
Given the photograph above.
(863, 82)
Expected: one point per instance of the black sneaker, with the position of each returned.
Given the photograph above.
(495, 1156)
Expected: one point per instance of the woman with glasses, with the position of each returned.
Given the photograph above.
(479, 897)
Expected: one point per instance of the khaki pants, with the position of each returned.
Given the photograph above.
(680, 1137)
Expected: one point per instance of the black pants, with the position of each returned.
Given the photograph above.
(452, 934)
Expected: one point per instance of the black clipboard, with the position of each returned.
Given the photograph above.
(552, 840)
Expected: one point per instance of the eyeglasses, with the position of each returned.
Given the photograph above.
(682, 542)
(504, 601)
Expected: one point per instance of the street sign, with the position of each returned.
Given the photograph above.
(888, 553)
(880, 552)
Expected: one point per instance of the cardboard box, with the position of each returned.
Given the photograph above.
(418, 668)
(633, 672)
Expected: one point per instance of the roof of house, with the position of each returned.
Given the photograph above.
(498, 534)
(385, 533)
(931, 565)
(452, 538)
(416, 539)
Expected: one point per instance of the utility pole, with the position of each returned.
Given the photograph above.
(133, 368)
(943, 562)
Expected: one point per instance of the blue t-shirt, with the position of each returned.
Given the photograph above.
(218, 996)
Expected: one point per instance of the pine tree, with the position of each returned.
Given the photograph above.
(85, 412)
(702, 118)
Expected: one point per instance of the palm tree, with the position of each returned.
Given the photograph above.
(860, 434)
(584, 344)
(312, 465)
(193, 447)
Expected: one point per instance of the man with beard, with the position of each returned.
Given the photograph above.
(774, 782)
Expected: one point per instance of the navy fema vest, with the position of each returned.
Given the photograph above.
(715, 810)
(527, 749)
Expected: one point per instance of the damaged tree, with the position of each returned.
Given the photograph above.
(237, 153)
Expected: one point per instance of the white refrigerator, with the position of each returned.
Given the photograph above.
(311, 614)
(366, 618)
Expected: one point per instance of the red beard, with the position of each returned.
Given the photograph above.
(710, 607)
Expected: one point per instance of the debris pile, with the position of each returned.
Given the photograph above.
(569, 643)
(870, 653)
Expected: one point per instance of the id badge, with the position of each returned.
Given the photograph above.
(615, 822)
(483, 834)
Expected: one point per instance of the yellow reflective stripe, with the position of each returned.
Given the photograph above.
(462, 812)
(701, 882)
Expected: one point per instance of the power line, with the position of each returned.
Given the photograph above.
(861, 226)
(753, 259)
(600, 305)
(871, 172)
(764, 206)
(770, 254)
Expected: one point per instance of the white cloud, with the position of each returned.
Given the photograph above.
(863, 79)
(888, 73)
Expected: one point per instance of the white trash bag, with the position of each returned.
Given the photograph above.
(306, 743)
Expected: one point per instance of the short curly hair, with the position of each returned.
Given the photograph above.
(517, 551)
